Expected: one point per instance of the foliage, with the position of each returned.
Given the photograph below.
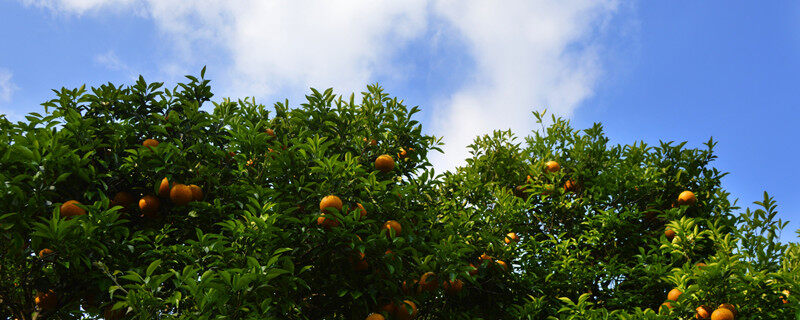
(592, 241)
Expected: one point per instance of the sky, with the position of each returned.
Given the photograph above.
(646, 70)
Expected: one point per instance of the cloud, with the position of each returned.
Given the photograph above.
(7, 87)
(526, 54)
(112, 62)
(529, 55)
(79, 6)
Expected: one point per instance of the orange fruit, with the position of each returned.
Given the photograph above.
(453, 287)
(511, 236)
(124, 199)
(570, 185)
(687, 198)
(552, 166)
(270, 132)
(728, 306)
(703, 312)
(700, 265)
(197, 192)
(149, 205)
(363, 211)
(393, 225)
(46, 301)
(670, 234)
(502, 264)
(326, 222)
(45, 252)
(150, 143)
(163, 188)
(180, 194)
(674, 294)
(485, 258)
(375, 316)
(69, 209)
(428, 281)
(384, 163)
(330, 201)
(406, 311)
(785, 296)
(388, 307)
(403, 153)
(722, 314)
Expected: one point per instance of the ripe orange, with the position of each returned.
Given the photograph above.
(511, 236)
(403, 153)
(150, 143)
(552, 166)
(406, 311)
(388, 307)
(453, 287)
(722, 314)
(687, 198)
(69, 209)
(45, 252)
(703, 312)
(375, 316)
(326, 222)
(330, 201)
(502, 264)
(674, 294)
(270, 132)
(180, 194)
(428, 281)
(570, 185)
(670, 234)
(485, 258)
(163, 188)
(384, 163)
(393, 225)
(728, 306)
(197, 192)
(149, 205)
(46, 301)
(700, 265)
(124, 199)
(363, 211)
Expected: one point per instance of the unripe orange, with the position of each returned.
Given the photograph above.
(722, 314)
(384, 163)
(330, 201)
(393, 225)
(511, 236)
(552, 166)
(687, 198)
(180, 194)
(150, 143)
(197, 192)
(46, 301)
(69, 209)
(149, 205)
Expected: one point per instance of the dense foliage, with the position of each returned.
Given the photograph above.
(193, 209)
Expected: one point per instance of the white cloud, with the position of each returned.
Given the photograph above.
(527, 54)
(7, 87)
(79, 6)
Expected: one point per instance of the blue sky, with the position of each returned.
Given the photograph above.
(648, 70)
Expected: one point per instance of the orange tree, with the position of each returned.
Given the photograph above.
(136, 202)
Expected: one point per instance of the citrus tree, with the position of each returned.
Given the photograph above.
(144, 202)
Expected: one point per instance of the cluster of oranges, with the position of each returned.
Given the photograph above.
(725, 311)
